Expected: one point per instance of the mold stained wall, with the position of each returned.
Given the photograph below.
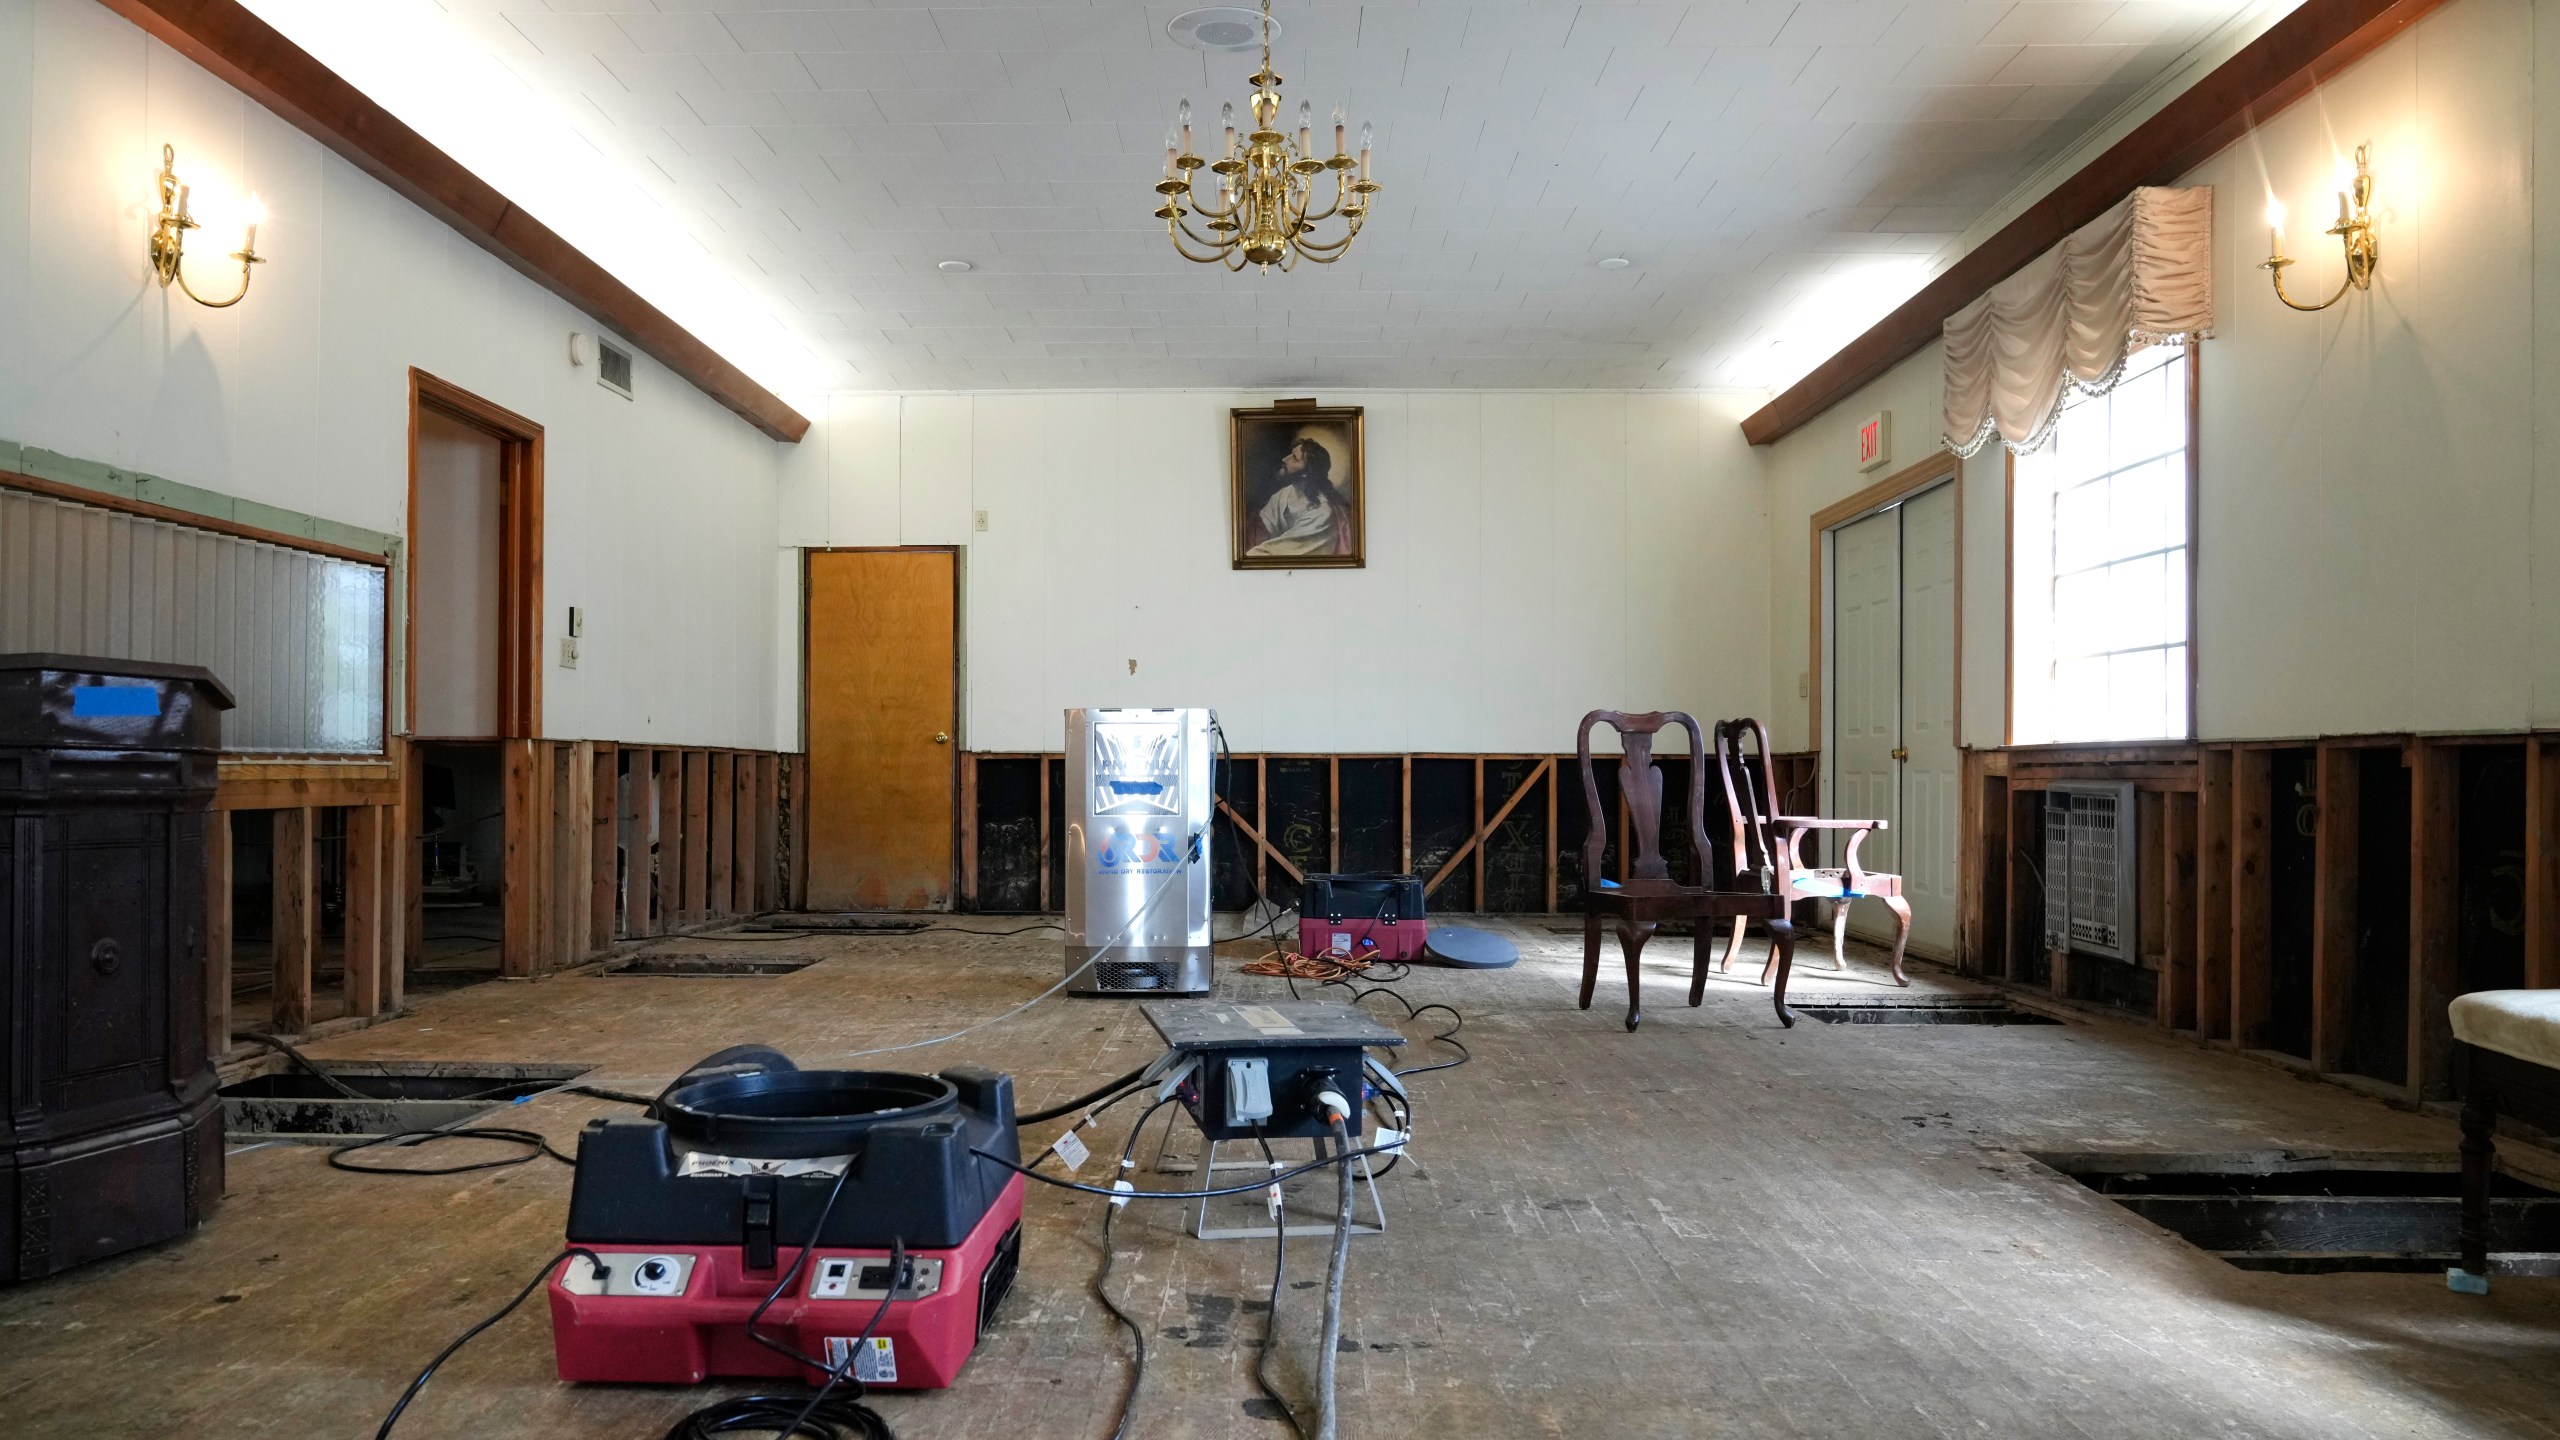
(2379, 523)
(660, 512)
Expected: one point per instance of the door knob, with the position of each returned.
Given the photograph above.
(941, 737)
(1901, 754)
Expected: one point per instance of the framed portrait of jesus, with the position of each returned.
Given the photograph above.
(1299, 492)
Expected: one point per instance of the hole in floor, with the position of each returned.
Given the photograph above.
(842, 924)
(1923, 1012)
(2325, 1216)
(397, 1095)
(740, 966)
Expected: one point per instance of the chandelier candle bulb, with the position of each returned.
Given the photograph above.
(1337, 130)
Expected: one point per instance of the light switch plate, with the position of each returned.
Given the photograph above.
(568, 652)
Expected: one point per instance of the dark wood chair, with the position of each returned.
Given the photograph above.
(1768, 850)
(1649, 895)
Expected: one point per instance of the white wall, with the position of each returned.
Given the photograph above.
(2379, 522)
(1531, 556)
(660, 511)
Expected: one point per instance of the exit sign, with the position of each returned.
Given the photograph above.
(1875, 440)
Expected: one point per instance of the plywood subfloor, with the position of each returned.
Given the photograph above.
(1710, 1227)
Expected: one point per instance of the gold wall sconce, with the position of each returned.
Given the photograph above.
(2354, 231)
(169, 237)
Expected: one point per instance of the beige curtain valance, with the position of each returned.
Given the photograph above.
(2139, 275)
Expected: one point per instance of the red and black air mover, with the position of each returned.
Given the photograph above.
(1371, 917)
(700, 1210)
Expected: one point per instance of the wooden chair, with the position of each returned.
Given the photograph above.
(1768, 851)
(1649, 895)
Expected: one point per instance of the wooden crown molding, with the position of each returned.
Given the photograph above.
(258, 60)
(2316, 41)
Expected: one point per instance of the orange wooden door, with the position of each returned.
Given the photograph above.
(882, 695)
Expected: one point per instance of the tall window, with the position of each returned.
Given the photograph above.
(2098, 526)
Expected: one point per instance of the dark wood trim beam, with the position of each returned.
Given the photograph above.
(2316, 41)
(255, 58)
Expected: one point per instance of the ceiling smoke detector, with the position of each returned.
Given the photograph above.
(951, 267)
(1615, 262)
(1220, 28)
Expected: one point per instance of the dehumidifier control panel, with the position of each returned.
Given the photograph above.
(629, 1273)
(866, 1277)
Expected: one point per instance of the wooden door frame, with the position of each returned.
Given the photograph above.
(520, 443)
(520, 446)
(959, 741)
(1941, 466)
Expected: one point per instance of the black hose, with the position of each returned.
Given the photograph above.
(1326, 1423)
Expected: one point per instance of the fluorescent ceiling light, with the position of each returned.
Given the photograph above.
(412, 58)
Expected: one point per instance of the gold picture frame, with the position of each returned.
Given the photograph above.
(1298, 487)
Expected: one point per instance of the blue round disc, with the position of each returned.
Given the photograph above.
(1469, 949)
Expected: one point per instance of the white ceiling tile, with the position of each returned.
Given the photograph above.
(1647, 23)
(2051, 22)
(2065, 65)
(1965, 65)
(828, 153)
(763, 70)
(1945, 22)
(676, 33)
(886, 30)
(1837, 22)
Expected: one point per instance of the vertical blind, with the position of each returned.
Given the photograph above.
(298, 636)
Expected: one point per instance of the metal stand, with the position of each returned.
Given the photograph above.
(1208, 1166)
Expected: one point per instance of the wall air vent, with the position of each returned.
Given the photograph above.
(613, 367)
(2089, 856)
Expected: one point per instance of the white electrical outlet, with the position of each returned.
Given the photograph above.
(982, 520)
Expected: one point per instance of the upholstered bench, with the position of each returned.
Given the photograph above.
(2511, 1065)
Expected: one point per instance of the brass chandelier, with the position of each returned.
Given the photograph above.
(1264, 214)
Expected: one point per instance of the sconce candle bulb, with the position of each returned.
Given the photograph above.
(2354, 231)
(169, 236)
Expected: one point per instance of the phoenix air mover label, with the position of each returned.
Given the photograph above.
(874, 1363)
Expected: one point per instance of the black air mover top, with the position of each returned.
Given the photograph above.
(797, 1114)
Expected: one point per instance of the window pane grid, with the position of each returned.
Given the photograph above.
(2099, 619)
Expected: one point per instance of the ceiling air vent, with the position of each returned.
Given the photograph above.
(613, 367)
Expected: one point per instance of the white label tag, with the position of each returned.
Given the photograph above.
(1267, 1020)
(874, 1363)
(1121, 1193)
(1272, 1192)
(1390, 1141)
(1071, 1150)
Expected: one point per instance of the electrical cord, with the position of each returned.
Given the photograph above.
(1087, 1098)
(1271, 1318)
(1102, 1280)
(784, 1417)
(845, 1417)
(1448, 1037)
(1051, 1149)
(1105, 948)
(400, 1405)
(1024, 1170)
(535, 1148)
(306, 1062)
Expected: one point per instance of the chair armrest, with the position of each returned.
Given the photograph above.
(1809, 822)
